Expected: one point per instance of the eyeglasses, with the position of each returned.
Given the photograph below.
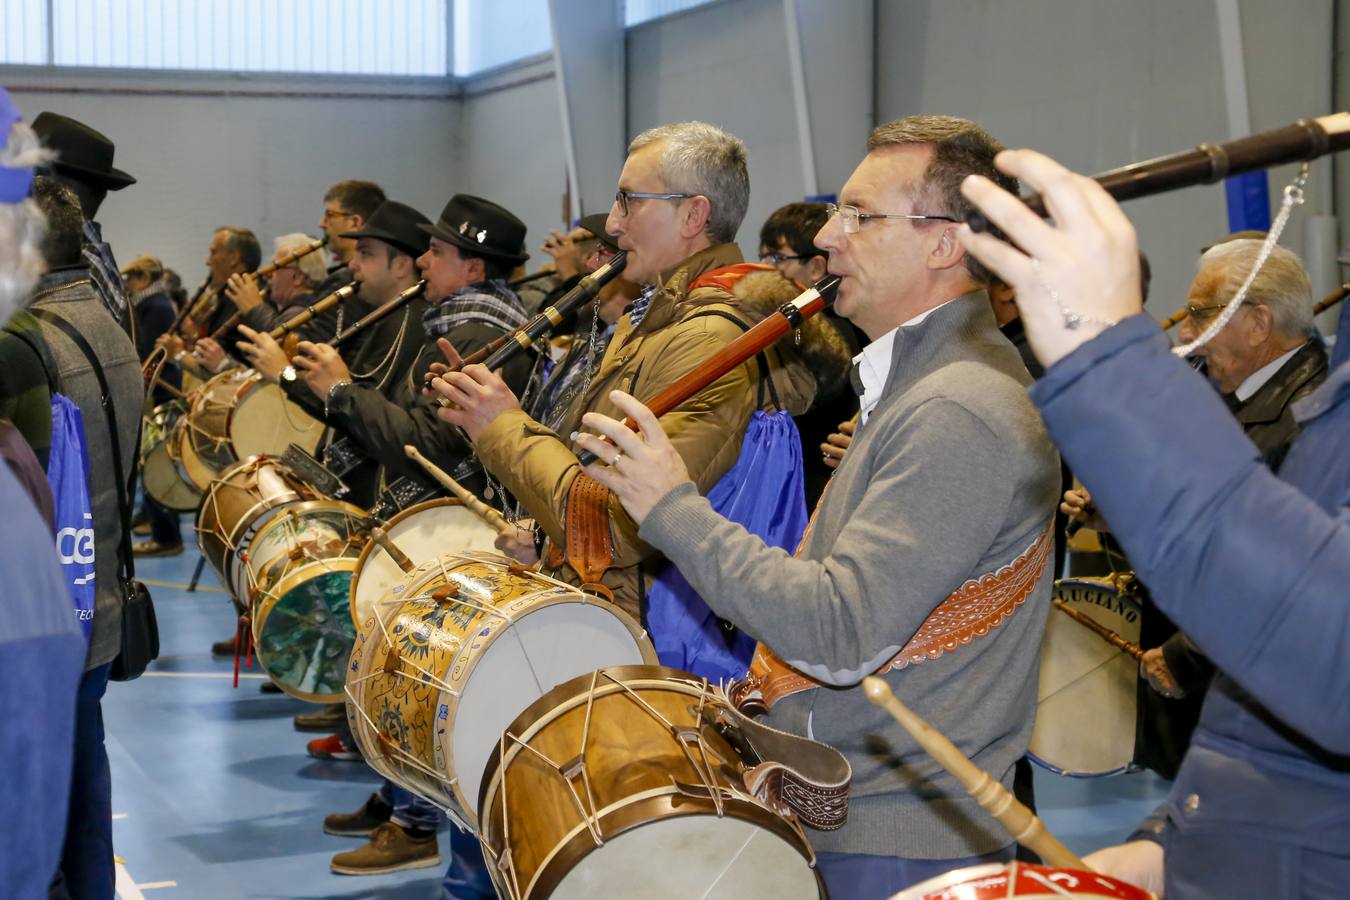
(622, 198)
(854, 217)
(1199, 314)
(773, 259)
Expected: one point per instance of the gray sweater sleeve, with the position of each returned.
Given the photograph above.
(933, 504)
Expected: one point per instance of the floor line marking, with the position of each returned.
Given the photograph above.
(183, 586)
(151, 885)
(242, 675)
(119, 816)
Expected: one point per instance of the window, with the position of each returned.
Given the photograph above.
(347, 37)
(635, 12)
(491, 33)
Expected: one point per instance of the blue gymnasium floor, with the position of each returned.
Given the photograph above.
(215, 798)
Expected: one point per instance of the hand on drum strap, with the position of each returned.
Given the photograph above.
(790, 773)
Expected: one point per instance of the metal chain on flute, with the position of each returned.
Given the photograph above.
(767, 331)
(407, 296)
(1023, 824)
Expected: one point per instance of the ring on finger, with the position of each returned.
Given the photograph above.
(615, 461)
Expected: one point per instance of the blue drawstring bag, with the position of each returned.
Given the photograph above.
(764, 493)
(68, 475)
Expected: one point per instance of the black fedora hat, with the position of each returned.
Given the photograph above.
(595, 224)
(398, 224)
(481, 227)
(82, 152)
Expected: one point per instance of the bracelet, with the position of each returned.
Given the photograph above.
(328, 401)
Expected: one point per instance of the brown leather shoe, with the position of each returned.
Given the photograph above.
(391, 849)
(223, 648)
(327, 718)
(155, 548)
(362, 823)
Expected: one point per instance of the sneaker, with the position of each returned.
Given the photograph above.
(155, 548)
(372, 814)
(332, 747)
(330, 717)
(391, 849)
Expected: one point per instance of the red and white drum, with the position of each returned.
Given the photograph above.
(1028, 882)
(421, 532)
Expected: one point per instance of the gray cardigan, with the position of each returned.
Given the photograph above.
(952, 477)
(70, 295)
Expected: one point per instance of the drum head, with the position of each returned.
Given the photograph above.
(693, 856)
(304, 638)
(996, 881)
(265, 422)
(1085, 718)
(164, 484)
(423, 532)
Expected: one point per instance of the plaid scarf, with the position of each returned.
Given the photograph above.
(490, 303)
(103, 269)
(637, 310)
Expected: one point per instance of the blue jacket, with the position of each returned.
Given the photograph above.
(1257, 570)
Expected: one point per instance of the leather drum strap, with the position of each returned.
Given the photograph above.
(792, 774)
(590, 549)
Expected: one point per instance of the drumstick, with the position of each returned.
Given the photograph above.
(463, 494)
(385, 543)
(1100, 630)
(1023, 824)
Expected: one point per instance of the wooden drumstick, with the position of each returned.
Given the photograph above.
(463, 494)
(1023, 824)
(385, 543)
(1100, 630)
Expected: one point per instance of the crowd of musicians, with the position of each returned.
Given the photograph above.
(883, 492)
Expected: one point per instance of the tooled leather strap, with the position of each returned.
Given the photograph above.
(969, 612)
(792, 774)
(590, 550)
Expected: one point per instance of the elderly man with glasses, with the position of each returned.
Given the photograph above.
(926, 561)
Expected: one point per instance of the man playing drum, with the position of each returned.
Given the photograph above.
(927, 558)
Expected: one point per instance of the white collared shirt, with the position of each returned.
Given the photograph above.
(874, 363)
(1257, 380)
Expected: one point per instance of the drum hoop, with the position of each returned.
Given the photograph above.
(263, 609)
(389, 524)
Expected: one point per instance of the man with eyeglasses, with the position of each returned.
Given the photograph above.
(927, 559)
(682, 195)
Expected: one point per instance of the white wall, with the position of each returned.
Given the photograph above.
(260, 162)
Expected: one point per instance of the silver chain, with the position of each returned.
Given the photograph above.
(1293, 196)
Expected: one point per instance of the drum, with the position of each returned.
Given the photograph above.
(1085, 717)
(999, 880)
(238, 504)
(261, 421)
(300, 565)
(160, 475)
(422, 532)
(455, 651)
(203, 441)
(614, 777)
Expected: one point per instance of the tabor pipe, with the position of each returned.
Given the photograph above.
(462, 494)
(534, 276)
(1100, 630)
(769, 329)
(405, 297)
(289, 259)
(1331, 299)
(505, 348)
(317, 308)
(1023, 824)
(385, 543)
(1208, 163)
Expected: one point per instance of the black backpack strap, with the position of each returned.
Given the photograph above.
(124, 488)
(765, 382)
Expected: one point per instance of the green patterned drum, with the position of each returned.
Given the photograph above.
(302, 624)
